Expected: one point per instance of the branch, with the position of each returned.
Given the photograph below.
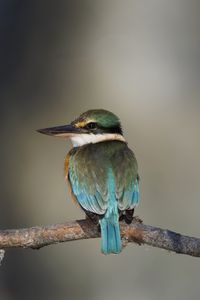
(37, 237)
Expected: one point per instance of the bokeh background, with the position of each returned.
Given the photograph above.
(139, 59)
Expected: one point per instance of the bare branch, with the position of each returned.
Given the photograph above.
(2, 253)
(37, 237)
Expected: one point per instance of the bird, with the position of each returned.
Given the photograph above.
(102, 172)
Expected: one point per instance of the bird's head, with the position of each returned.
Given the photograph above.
(90, 127)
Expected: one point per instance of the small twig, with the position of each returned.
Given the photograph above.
(37, 237)
(2, 253)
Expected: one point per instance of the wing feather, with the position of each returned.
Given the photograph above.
(88, 176)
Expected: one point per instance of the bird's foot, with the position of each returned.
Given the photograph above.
(92, 217)
(137, 219)
(121, 217)
(128, 217)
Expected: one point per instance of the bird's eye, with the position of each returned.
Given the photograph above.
(91, 125)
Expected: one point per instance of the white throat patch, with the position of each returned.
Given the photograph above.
(90, 138)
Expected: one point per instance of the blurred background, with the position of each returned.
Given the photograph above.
(139, 59)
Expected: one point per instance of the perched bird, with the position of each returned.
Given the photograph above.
(102, 172)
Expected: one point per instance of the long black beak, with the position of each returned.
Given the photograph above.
(61, 131)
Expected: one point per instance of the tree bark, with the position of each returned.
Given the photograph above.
(40, 236)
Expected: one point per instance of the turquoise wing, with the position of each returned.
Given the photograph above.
(87, 176)
(130, 196)
(125, 168)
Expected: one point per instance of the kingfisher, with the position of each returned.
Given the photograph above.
(102, 172)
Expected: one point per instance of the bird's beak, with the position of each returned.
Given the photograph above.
(61, 131)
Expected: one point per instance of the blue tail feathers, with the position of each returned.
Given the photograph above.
(110, 231)
(110, 236)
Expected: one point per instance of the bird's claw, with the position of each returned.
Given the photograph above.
(137, 219)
